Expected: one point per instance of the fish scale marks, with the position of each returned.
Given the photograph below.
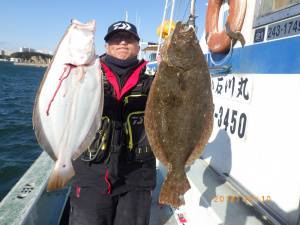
(179, 110)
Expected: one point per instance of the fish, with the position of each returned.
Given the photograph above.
(69, 102)
(179, 110)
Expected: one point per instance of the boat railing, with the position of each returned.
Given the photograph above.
(19, 206)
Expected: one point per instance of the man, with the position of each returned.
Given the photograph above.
(115, 176)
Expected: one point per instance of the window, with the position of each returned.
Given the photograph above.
(270, 6)
(268, 11)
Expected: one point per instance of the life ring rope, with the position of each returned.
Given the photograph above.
(236, 36)
(219, 41)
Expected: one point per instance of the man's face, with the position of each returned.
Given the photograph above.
(122, 45)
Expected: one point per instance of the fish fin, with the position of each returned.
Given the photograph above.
(204, 137)
(39, 131)
(173, 188)
(151, 129)
(61, 174)
(95, 125)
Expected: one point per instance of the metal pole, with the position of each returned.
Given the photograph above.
(171, 17)
(126, 16)
(191, 20)
(161, 30)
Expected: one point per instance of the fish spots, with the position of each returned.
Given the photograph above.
(182, 83)
(172, 101)
(178, 116)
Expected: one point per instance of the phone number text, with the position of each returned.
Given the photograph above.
(284, 29)
(231, 120)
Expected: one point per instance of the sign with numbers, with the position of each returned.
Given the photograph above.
(285, 28)
(236, 90)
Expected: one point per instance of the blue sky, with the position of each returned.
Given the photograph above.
(41, 24)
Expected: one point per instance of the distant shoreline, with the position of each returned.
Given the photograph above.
(30, 64)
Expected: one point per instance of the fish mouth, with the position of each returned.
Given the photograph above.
(89, 26)
(185, 28)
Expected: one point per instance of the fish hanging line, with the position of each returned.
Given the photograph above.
(61, 79)
(107, 182)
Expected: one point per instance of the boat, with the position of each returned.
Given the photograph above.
(249, 171)
(149, 52)
(5, 61)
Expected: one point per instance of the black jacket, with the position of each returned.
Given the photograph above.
(127, 162)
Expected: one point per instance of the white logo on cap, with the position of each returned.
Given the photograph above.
(122, 26)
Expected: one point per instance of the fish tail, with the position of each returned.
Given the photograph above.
(173, 188)
(61, 174)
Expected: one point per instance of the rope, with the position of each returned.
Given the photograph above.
(187, 6)
(61, 79)
(107, 182)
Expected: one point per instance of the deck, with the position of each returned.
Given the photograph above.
(29, 204)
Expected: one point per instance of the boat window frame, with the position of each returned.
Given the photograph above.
(260, 20)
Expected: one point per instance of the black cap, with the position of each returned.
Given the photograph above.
(121, 26)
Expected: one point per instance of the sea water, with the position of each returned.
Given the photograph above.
(18, 145)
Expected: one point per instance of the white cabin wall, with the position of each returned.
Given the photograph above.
(266, 160)
(247, 30)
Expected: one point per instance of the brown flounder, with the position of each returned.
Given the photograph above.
(179, 110)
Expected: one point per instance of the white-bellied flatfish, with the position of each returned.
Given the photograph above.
(69, 102)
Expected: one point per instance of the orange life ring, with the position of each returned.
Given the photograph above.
(220, 41)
